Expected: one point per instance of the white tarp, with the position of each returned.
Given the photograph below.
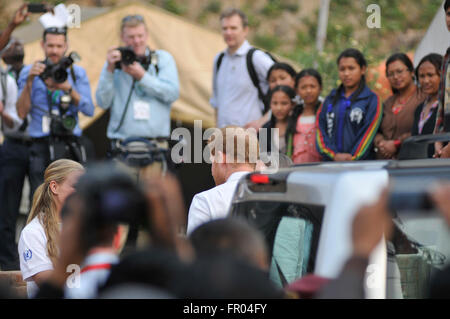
(437, 38)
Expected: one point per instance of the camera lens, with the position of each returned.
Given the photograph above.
(59, 75)
(69, 122)
(128, 56)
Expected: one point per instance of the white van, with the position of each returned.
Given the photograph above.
(306, 212)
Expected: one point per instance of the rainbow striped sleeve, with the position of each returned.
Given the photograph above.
(369, 130)
(322, 141)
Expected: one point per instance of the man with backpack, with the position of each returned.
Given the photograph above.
(239, 77)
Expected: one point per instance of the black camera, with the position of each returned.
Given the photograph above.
(129, 57)
(58, 71)
(38, 8)
(62, 124)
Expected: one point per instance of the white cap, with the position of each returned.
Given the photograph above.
(59, 20)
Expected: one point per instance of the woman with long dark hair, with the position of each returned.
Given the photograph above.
(302, 124)
(282, 101)
(350, 116)
(428, 72)
(399, 108)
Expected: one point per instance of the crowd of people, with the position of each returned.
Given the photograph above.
(78, 212)
(351, 123)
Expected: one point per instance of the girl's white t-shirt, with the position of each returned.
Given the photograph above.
(310, 119)
(33, 254)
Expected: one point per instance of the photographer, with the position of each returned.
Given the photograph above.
(53, 91)
(139, 85)
(15, 156)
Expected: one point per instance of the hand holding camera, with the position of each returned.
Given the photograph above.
(36, 70)
(135, 70)
(113, 56)
(52, 85)
(124, 58)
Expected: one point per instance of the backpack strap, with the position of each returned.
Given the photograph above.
(219, 61)
(254, 77)
(252, 73)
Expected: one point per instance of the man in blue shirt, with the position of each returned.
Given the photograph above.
(49, 102)
(139, 94)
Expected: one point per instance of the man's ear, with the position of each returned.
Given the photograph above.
(221, 157)
(42, 44)
(246, 31)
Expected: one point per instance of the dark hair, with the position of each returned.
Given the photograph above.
(281, 66)
(109, 197)
(290, 92)
(232, 12)
(359, 58)
(228, 235)
(353, 53)
(298, 109)
(224, 277)
(446, 5)
(308, 72)
(283, 88)
(433, 58)
(402, 57)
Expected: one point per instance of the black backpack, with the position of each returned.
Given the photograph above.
(251, 72)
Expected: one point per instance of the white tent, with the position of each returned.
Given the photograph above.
(437, 38)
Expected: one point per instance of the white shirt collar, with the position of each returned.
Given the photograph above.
(236, 176)
(243, 49)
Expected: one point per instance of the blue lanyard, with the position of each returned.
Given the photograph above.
(52, 98)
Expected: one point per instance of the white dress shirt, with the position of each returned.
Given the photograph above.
(10, 104)
(214, 203)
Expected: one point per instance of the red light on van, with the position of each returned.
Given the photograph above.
(259, 179)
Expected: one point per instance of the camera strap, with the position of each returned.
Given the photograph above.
(126, 107)
(52, 99)
(153, 61)
(72, 73)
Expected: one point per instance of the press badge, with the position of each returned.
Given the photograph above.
(141, 110)
(45, 124)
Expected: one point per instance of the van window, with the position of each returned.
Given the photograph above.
(419, 248)
(291, 232)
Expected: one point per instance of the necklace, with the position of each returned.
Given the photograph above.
(399, 104)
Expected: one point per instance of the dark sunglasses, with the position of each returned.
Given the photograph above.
(56, 30)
